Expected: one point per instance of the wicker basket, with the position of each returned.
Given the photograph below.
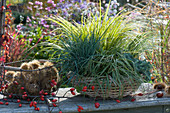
(108, 92)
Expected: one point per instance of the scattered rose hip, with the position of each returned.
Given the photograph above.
(72, 89)
(93, 88)
(118, 101)
(159, 95)
(18, 101)
(132, 100)
(54, 105)
(6, 103)
(97, 105)
(73, 93)
(20, 105)
(81, 108)
(54, 100)
(140, 94)
(78, 109)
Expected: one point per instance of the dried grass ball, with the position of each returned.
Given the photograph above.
(26, 66)
(9, 76)
(167, 90)
(52, 71)
(12, 88)
(35, 64)
(32, 88)
(159, 86)
(20, 78)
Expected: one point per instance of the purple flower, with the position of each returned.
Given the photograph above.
(41, 8)
(30, 39)
(29, 8)
(40, 3)
(47, 8)
(37, 14)
(47, 26)
(30, 3)
(54, 5)
(19, 26)
(29, 25)
(28, 19)
(49, 1)
(37, 2)
(33, 17)
(61, 1)
(35, 6)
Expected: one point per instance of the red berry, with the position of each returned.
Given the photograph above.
(1, 103)
(118, 101)
(52, 85)
(35, 102)
(5, 99)
(2, 87)
(6, 103)
(20, 105)
(84, 90)
(53, 80)
(60, 111)
(38, 109)
(6, 86)
(41, 92)
(54, 105)
(97, 105)
(132, 100)
(23, 96)
(79, 110)
(92, 88)
(72, 89)
(54, 100)
(73, 93)
(22, 88)
(25, 93)
(45, 93)
(31, 104)
(55, 83)
(85, 87)
(15, 82)
(28, 99)
(35, 108)
(80, 107)
(53, 94)
(42, 98)
(159, 95)
(10, 96)
(140, 94)
(18, 101)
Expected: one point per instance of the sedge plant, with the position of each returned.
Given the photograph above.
(96, 48)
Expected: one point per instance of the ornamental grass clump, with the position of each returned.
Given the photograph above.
(93, 54)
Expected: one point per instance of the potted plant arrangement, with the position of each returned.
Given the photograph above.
(100, 55)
